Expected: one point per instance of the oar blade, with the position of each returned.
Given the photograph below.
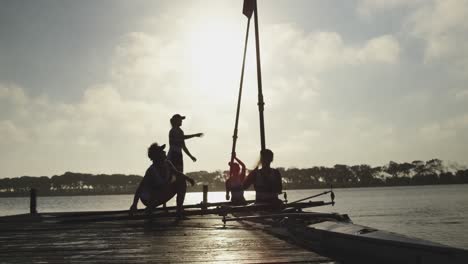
(249, 6)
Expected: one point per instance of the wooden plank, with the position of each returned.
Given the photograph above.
(201, 239)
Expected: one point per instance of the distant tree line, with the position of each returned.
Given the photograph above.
(70, 183)
(340, 176)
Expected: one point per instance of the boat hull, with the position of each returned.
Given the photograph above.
(353, 243)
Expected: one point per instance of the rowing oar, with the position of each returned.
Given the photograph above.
(248, 9)
(316, 195)
(158, 209)
(303, 205)
(290, 215)
(221, 210)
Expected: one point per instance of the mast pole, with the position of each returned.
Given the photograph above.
(261, 103)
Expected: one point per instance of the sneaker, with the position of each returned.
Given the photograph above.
(148, 211)
(181, 216)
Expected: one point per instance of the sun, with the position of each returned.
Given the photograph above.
(216, 51)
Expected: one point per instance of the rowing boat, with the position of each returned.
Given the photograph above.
(337, 237)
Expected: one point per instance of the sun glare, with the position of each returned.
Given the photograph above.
(216, 57)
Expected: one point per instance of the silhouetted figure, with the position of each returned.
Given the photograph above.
(161, 182)
(177, 143)
(267, 181)
(234, 183)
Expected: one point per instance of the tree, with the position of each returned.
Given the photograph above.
(462, 176)
(364, 174)
(446, 177)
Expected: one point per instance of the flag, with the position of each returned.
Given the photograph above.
(249, 6)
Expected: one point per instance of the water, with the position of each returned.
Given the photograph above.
(438, 213)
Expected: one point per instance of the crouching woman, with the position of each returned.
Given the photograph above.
(161, 182)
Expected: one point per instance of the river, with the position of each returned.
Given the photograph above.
(438, 213)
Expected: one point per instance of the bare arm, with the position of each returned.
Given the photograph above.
(180, 174)
(136, 197)
(193, 135)
(240, 162)
(279, 182)
(185, 149)
(228, 189)
(242, 168)
(249, 180)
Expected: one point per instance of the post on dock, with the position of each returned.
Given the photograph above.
(33, 201)
(205, 197)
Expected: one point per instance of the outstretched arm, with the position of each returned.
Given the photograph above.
(193, 135)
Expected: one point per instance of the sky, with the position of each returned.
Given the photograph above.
(86, 86)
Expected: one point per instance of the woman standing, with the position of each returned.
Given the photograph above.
(177, 143)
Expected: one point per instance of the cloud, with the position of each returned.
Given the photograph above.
(370, 7)
(100, 129)
(440, 24)
(437, 131)
(445, 138)
(146, 65)
(462, 95)
(320, 51)
(295, 59)
(328, 139)
(384, 49)
(12, 94)
(100, 106)
(11, 133)
(443, 27)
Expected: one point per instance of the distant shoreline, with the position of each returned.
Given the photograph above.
(192, 189)
(416, 173)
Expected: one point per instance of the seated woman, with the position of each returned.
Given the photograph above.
(266, 181)
(161, 182)
(234, 183)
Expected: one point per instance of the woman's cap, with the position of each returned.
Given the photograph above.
(155, 150)
(177, 116)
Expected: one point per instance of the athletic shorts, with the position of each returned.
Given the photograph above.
(177, 160)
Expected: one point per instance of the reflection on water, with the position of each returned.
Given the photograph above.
(436, 213)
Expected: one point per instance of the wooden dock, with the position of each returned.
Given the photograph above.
(201, 239)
